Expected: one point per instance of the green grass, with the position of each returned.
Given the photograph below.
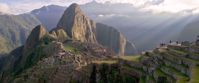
(177, 52)
(160, 73)
(150, 78)
(69, 47)
(195, 54)
(195, 75)
(130, 68)
(131, 58)
(142, 79)
(174, 61)
(105, 62)
(191, 60)
(183, 58)
(181, 78)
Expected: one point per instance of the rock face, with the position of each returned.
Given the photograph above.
(130, 48)
(110, 37)
(59, 34)
(77, 25)
(80, 27)
(35, 36)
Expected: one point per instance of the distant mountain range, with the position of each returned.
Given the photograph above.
(79, 50)
(14, 30)
(76, 42)
(145, 29)
(49, 15)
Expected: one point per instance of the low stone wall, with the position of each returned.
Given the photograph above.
(135, 65)
(194, 49)
(177, 47)
(169, 73)
(192, 56)
(173, 59)
(180, 68)
(188, 63)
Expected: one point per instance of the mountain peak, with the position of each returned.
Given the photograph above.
(35, 36)
(74, 5)
(77, 25)
(74, 8)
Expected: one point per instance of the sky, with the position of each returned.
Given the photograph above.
(173, 6)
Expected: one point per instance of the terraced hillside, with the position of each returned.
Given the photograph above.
(74, 62)
(168, 64)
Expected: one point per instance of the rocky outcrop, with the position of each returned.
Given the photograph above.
(130, 48)
(111, 38)
(35, 36)
(59, 34)
(53, 48)
(77, 25)
(80, 27)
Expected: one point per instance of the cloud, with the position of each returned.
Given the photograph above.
(173, 6)
(24, 6)
(158, 6)
(4, 8)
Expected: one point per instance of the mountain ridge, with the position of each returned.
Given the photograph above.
(46, 58)
(14, 30)
(79, 27)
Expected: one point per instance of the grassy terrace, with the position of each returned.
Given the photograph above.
(171, 58)
(182, 65)
(184, 58)
(105, 62)
(191, 60)
(142, 80)
(195, 75)
(130, 68)
(160, 72)
(181, 78)
(168, 55)
(150, 78)
(131, 58)
(195, 54)
(69, 47)
(178, 52)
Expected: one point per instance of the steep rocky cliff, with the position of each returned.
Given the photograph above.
(43, 53)
(35, 36)
(77, 25)
(130, 48)
(110, 37)
(59, 34)
(33, 48)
